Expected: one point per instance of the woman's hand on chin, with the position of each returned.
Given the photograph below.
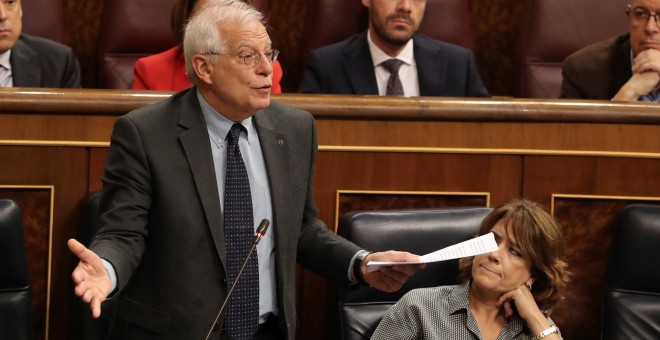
(524, 303)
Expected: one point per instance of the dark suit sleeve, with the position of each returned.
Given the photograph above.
(312, 81)
(569, 88)
(573, 84)
(597, 71)
(71, 75)
(319, 249)
(475, 87)
(125, 202)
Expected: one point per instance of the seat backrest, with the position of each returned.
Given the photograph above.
(85, 326)
(129, 30)
(417, 231)
(45, 18)
(553, 29)
(331, 21)
(631, 303)
(15, 291)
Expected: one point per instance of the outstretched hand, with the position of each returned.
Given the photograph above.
(92, 280)
(390, 278)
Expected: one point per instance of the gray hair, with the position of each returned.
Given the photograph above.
(202, 31)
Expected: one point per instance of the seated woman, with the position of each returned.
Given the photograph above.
(166, 71)
(506, 294)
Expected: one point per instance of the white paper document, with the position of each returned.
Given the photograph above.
(480, 245)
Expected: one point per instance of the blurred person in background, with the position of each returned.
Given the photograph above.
(29, 61)
(625, 68)
(392, 59)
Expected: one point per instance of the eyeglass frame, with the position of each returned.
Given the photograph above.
(647, 12)
(247, 56)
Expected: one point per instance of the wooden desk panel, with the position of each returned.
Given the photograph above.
(64, 170)
(496, 148)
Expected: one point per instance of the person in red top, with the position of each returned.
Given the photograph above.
(166, 71)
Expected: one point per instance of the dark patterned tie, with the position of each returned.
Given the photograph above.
(242, 319)
(394, 87)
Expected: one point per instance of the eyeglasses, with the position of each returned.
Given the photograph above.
(252, 59)
(640, 15)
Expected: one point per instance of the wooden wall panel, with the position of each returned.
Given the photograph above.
(608, 176)
(587, 218)
(35, 203)
(495, 24)
(65, 169)
(399, 171)
(588, 194)
(499, 176)
(83, 19)
(506, 148)
(287, 21)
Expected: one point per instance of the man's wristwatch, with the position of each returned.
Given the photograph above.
(357, 266)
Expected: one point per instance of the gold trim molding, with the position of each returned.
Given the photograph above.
(600, 197)
(54, 143)
(383, 149)
(529, 152)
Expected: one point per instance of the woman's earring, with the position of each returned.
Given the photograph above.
(529, 284)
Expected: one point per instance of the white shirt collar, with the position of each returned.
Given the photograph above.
(219, 126)
(4, 59)
(378, 56)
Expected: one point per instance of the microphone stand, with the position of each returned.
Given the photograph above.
(258, 235)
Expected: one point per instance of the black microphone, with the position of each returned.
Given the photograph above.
(258, 235)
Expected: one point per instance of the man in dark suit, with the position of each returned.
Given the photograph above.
(163, 242)
(27, 61)
(358, 65)
(624, 68)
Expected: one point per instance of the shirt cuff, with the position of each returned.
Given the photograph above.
(113, 274)
(351, 277)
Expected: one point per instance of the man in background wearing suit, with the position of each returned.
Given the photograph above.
(391, 58)
(624, 68)
(28, 61)
(169, 205)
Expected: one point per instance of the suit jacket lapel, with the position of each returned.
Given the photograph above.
(196, 146)
(431, 67)
(24, 66)
(359, 66)
(274, 146)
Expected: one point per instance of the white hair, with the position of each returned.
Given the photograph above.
(202, 34)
